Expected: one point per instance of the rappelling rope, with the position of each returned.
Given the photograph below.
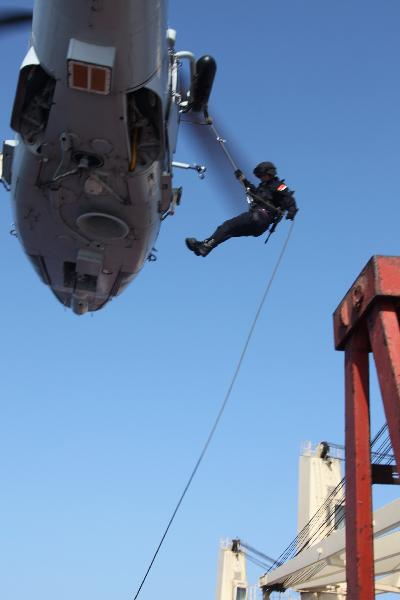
(223, 406)
(209, 122)
(221, 142)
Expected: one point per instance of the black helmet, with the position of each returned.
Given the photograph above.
(265, 168)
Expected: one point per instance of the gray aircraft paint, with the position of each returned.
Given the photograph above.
(56, 212)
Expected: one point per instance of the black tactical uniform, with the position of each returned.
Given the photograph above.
(268, 201)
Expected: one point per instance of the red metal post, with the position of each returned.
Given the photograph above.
(359, 533)
(367, 320)
(384, 334)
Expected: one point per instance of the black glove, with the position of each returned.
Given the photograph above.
(291, 215)
(240, 176)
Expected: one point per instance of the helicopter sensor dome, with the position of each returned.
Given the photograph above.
(102, 227)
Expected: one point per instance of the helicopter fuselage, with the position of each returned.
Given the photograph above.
(96, 116)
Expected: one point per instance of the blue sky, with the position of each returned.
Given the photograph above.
(103, 417)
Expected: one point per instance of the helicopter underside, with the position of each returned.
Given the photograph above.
(84, 243)
(91, 171)
(96, 113)
(88, 210)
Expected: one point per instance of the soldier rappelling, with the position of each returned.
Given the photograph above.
(269, 201)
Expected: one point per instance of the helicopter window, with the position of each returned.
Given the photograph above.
(89, 78)
(33, 103)
(80, 281)
(69, 274)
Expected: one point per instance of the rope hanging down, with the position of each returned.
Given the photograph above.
(223, 406)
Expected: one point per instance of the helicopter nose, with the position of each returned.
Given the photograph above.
(79, 305)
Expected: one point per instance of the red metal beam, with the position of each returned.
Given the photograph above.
(379, 279)
(359, 533)
(384, 332)
(367, 320)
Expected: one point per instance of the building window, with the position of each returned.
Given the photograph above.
(241, 593)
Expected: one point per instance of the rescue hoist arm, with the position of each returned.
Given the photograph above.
(201, 169)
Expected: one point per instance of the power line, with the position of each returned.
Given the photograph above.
(323, 519)
(249, 548)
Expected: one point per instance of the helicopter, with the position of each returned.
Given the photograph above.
(96, 113)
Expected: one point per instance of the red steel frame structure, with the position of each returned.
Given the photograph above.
(367, 320)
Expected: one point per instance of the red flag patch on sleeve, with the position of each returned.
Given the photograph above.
(281, 187)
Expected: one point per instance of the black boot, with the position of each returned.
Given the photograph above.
(201, 248)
